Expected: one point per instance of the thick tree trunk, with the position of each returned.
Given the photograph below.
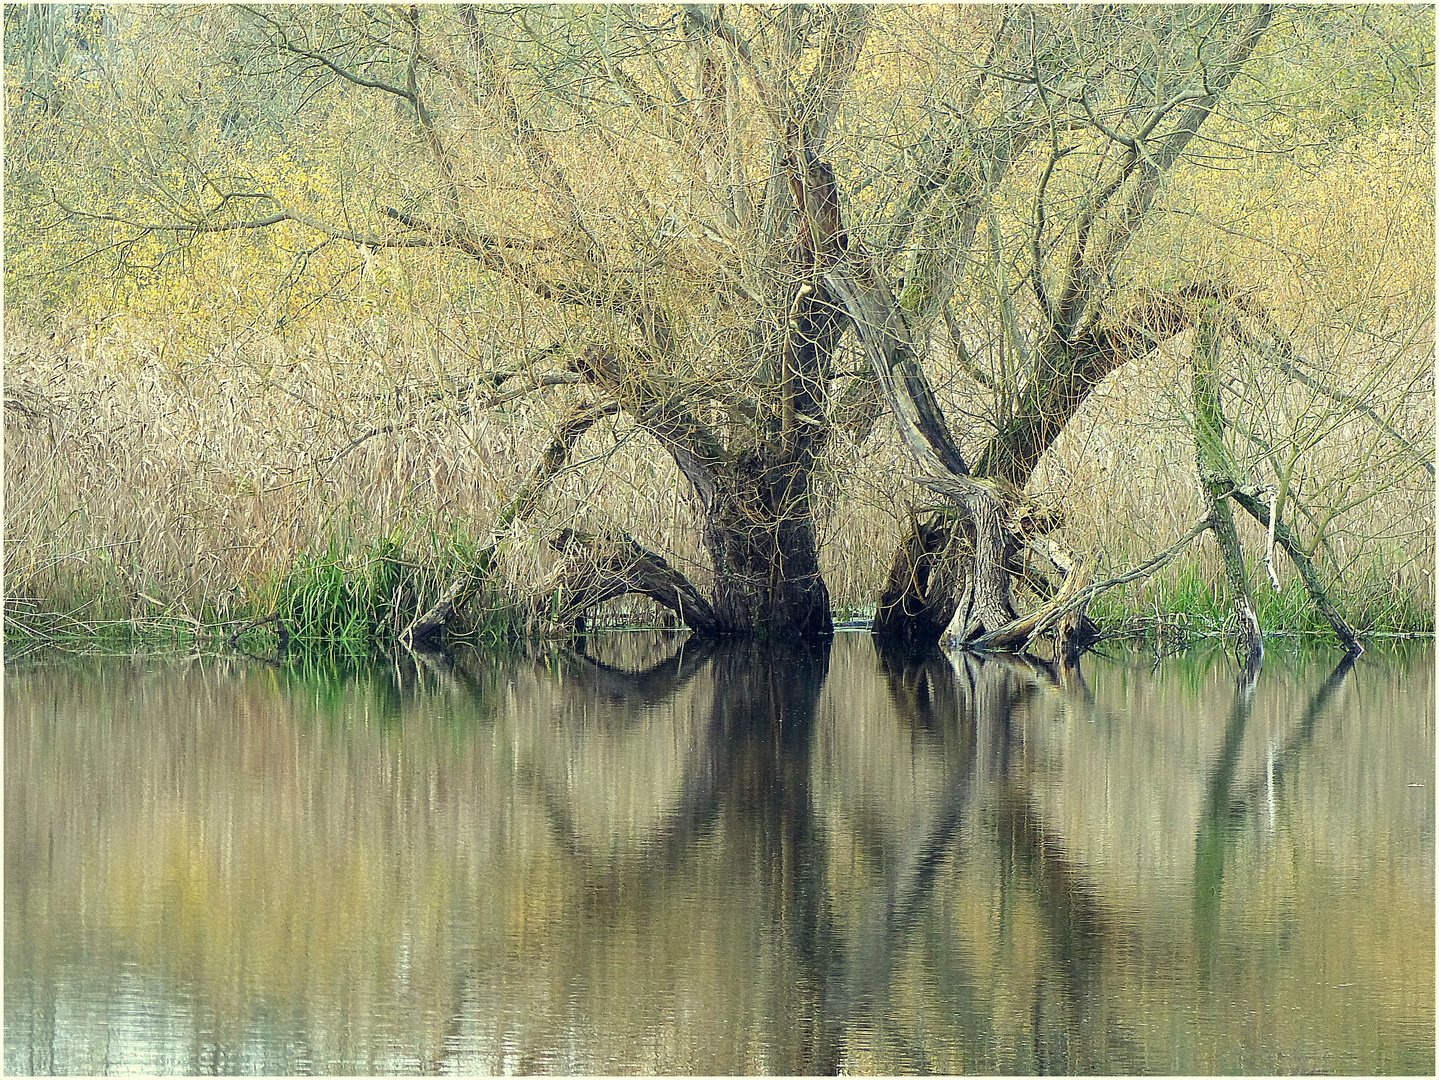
(761, 539)
(915, 606)
(755, 500)
(766, 574)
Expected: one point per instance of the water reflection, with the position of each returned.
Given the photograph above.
(1228, 815)
(648, 855)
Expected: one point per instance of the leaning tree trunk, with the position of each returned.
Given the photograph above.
(957, 568)
(938, 576)
(1217, 479)
(1074, 352)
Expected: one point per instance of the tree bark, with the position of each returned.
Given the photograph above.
(913, 606)
(925, 584)
(1218, 481)
(760, 536)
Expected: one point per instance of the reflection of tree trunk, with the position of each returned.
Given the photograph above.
(753, 770)
(649, 686)
(1223, 813)
(673, 839)
(980, 696)
(922, 690)
(1210, 844)
(1081, 939)
(764, 713)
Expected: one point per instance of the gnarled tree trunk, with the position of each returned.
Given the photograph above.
(761, 539)
(936, 575)
(758, 523)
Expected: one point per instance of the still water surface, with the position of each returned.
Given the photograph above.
(663, 859)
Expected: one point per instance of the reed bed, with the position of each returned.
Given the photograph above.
(160, 495)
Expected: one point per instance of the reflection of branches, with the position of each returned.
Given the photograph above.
(1283, 763)
(651, 686)
(1222, 813)
(639, 692)
(922, 690)
(660, 849)
(757, 694)
(1080, 936)
(441, 667)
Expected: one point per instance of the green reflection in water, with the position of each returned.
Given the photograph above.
(659, 857)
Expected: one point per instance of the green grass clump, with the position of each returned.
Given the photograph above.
(353, 598)
(1188, 604)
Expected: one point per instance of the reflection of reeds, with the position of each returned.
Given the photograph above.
(882, 879)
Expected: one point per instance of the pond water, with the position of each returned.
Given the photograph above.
(660, 858)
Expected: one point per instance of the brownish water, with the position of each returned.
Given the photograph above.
(720, 861)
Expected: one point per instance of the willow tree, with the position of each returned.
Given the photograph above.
(740, 227)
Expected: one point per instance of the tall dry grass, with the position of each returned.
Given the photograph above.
(138, 487)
